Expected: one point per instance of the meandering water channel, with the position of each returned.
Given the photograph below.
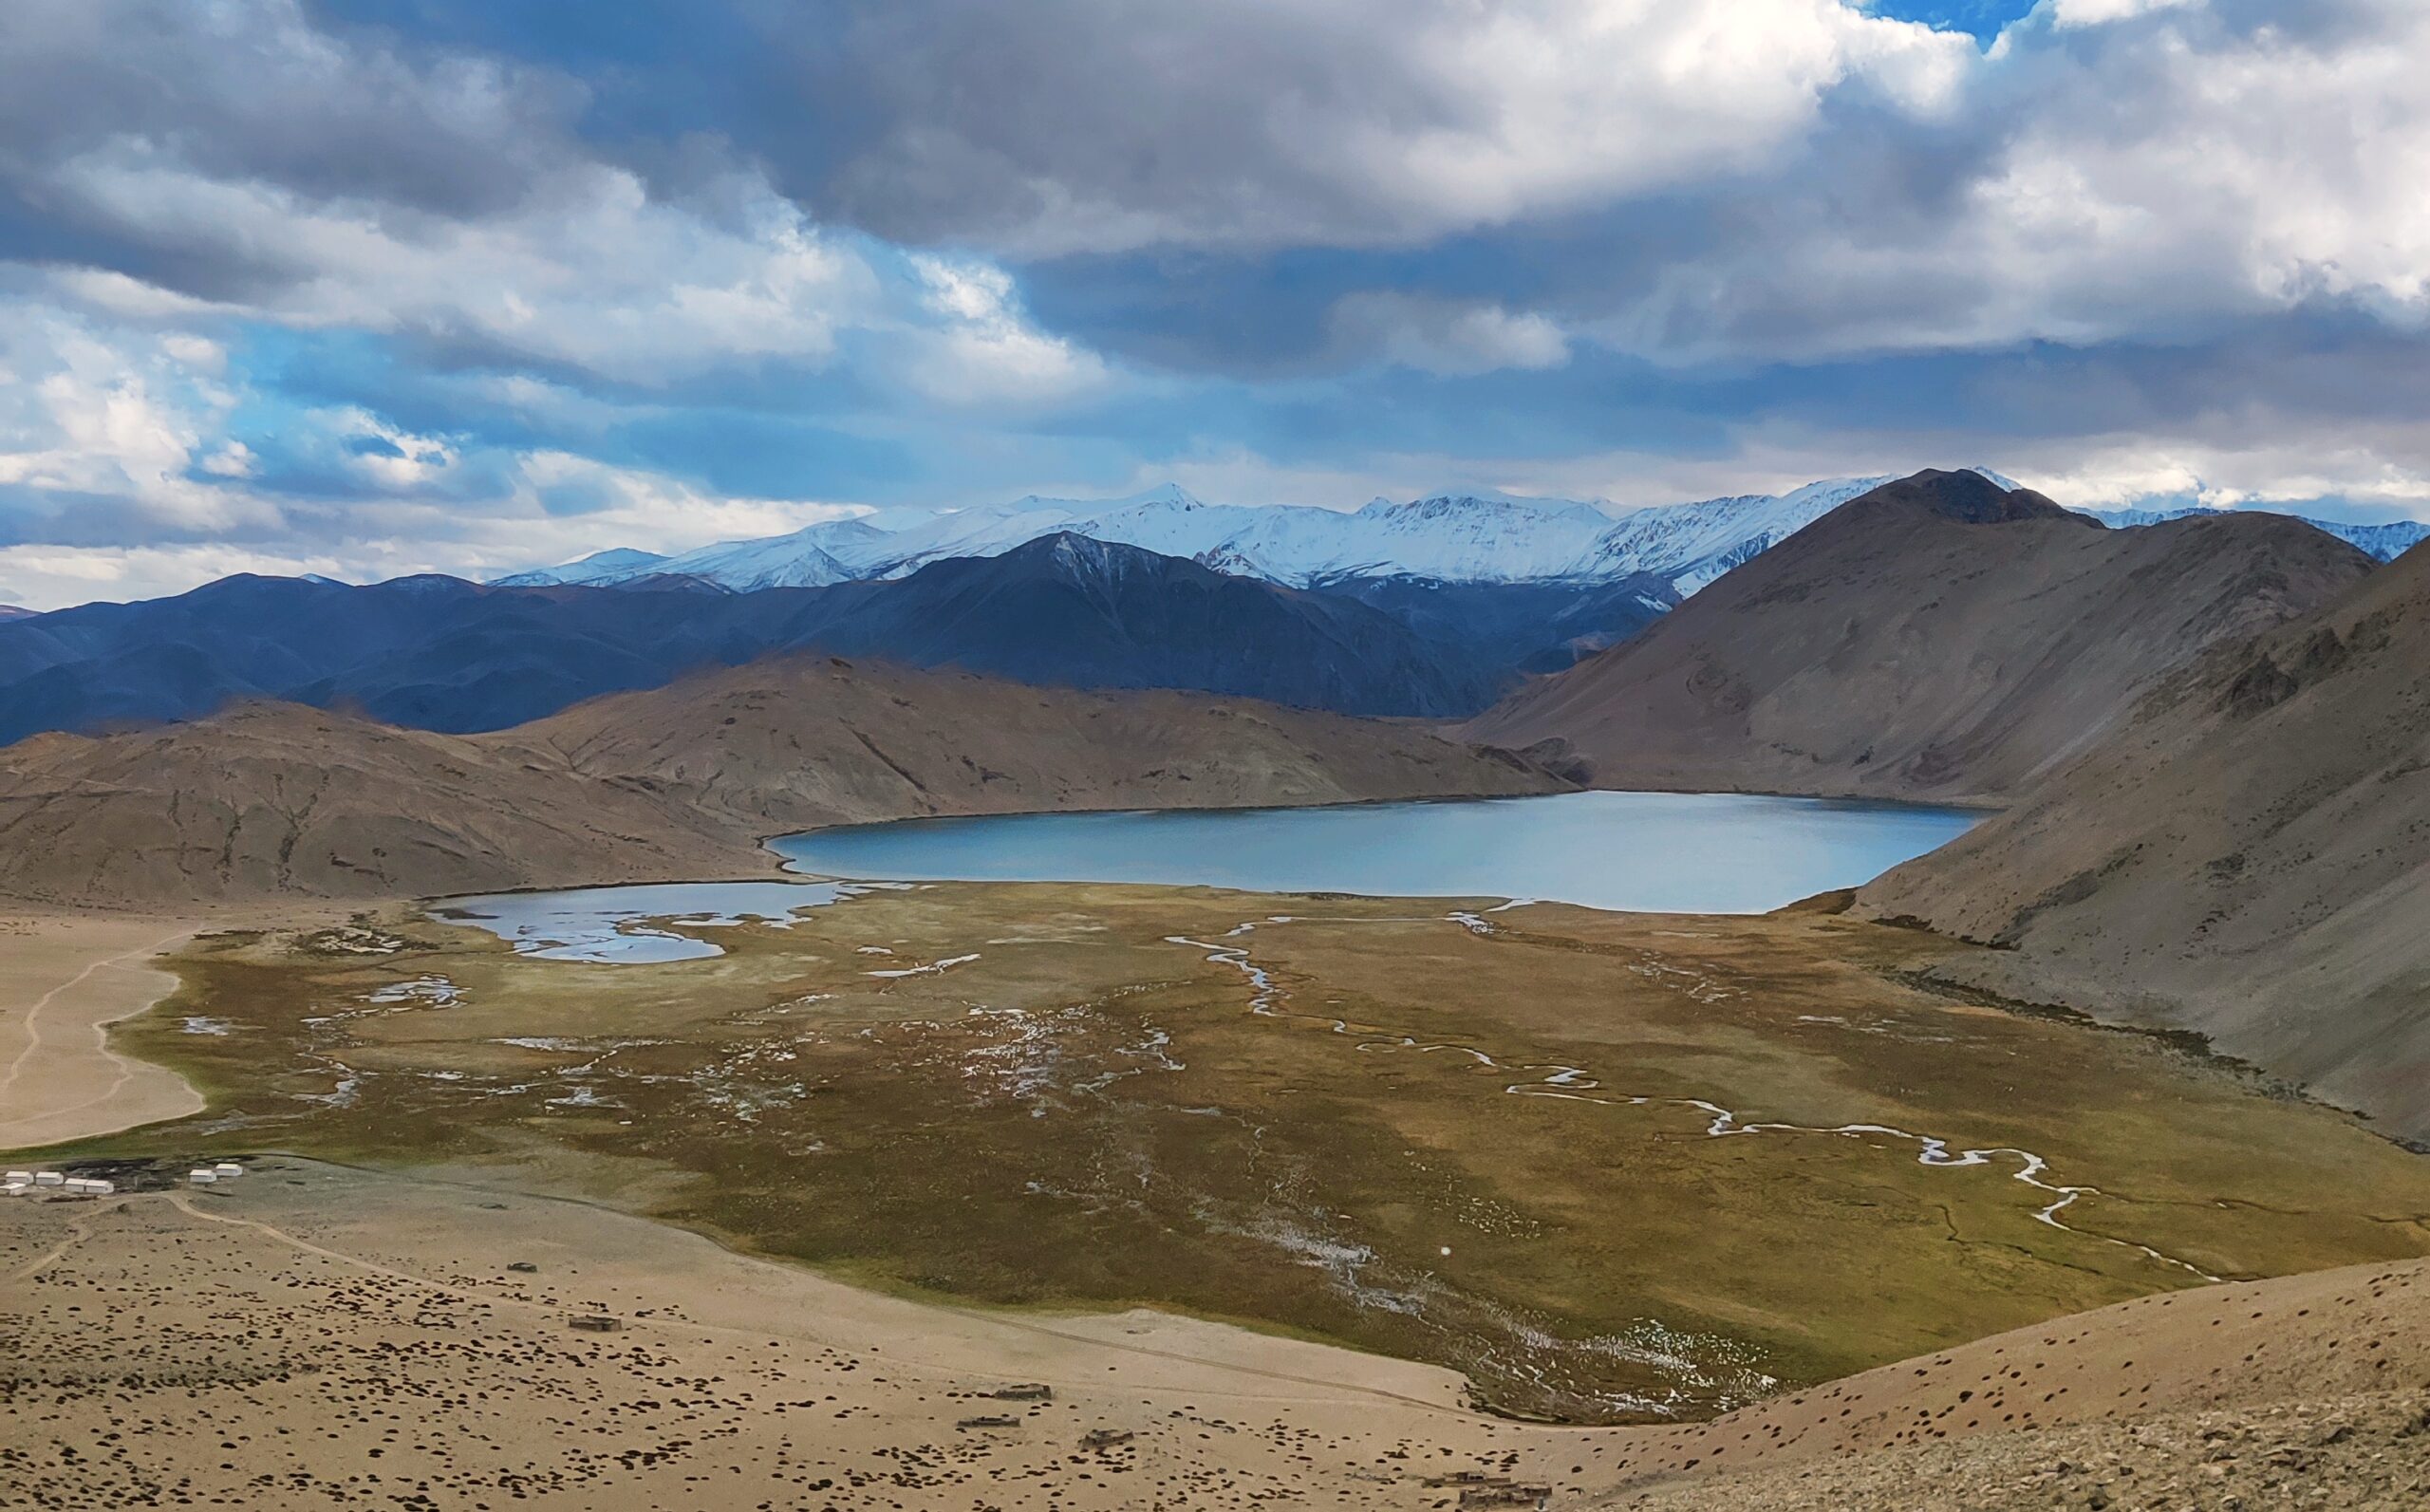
(1574, 1084)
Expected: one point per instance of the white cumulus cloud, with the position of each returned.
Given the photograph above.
(1445, 337)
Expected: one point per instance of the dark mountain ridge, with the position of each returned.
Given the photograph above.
(439, 653)
(1530, 626)
(1966, 498)
(1068, 610)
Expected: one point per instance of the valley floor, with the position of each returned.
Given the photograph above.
(1537, 1086)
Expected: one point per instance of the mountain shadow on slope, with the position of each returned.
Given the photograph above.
(1525, 627)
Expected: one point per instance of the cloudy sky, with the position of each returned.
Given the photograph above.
(363, 286)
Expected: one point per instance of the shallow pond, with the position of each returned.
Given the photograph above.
(614, 924)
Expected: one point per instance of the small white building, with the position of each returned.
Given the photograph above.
(201, 1176)
(227, 1169)
(49, 1178)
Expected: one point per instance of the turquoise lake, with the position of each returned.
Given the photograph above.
(1664, 852)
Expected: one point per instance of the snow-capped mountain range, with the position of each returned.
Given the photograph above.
(1692, 543)
(1446, 538)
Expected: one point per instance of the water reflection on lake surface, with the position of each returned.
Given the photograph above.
(1666, 853)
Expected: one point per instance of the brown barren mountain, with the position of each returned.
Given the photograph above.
(680, 781)
(1939, 637)
(791, 742)
(2248, 856)
(274, 799)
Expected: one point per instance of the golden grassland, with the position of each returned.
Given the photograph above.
(1515, 1142)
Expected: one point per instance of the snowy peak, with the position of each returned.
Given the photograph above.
(1693, 544)
(1461, 537)
(613, 564)
(1173, 494)
(798, 560)
(1456, 502)
(1450, 537)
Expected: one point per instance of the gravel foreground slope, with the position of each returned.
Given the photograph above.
(2303, 1392)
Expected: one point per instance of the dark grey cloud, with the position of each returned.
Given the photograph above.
(252, 93)
(257, 91)
(1094, 125)
(1843, 188)
(1838, 184)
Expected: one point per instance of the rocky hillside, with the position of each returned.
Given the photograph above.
(2246, 856)
(277, 799)
(2300, 1391)
(797, 741)
(1939, 637)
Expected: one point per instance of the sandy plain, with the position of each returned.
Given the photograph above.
(314, 1335)
(64, 978)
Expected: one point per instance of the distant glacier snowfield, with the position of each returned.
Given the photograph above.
(1451, 537)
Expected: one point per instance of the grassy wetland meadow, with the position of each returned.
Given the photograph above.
(1613, 1166)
